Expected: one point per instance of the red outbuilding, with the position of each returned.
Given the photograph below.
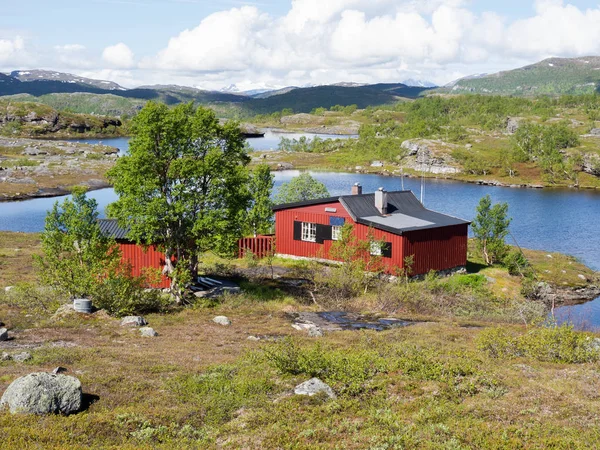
(138, 256)
(397, 219)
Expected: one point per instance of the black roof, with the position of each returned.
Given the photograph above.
(110, 228)
(404, 212)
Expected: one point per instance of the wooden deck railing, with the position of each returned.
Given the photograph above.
(260, 246)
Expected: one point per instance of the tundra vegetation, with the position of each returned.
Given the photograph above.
(540, 141)
(453, 379)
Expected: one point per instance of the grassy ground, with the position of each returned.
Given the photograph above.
(201, 385)
(466, 376)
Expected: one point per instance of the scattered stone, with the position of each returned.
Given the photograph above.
(58, 370)
(8, 288)
(5, 357)
(490, 279)
(595, 131)
(469, 146)
(253, 338)
(513, 124)
(549, 256)
(133, 321)
(582, 277)
(3, 334)
(312, 387)
(22, 357)
(285, 166)
(222, 320)
(148, 332)
(315, 332)
(64, 311)
(43, 393)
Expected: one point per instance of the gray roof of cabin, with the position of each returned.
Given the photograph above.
(110, 228)
(404, 212)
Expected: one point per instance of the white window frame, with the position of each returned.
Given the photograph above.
(376, 248)
(336, 233)
(309, 232)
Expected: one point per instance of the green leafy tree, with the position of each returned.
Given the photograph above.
(491, 228)
(183, 186)
(300, 188)
(75, 253)
(260, 213)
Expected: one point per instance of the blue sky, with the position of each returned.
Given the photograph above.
(278, 43)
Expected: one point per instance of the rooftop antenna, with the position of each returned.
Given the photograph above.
(422, 183)
(402, 175)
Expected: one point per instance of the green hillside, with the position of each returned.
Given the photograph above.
(554, 76)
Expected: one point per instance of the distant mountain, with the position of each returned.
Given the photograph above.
(79, 94)
(307, 99)
(48, 75)
(553, 76)
(419, 83)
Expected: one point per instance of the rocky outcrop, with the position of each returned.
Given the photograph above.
(302, 119)
(564, 295)
(425, 156)
(43, 393)
(41, 120)
(513, 124)
(591, 164)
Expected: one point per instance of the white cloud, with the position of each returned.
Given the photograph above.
(386, 40)
(119, 56)
(13, 52)
(73, 56)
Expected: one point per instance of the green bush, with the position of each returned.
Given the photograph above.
(121, 294)
(222, 390)
(517, 264)
(34, 298)
(350, 373)
(561, 344)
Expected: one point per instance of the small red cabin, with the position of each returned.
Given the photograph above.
(436, 241)
(138, 256)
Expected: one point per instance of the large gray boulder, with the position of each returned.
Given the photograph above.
(222, 320)
(3, 334)
(148, 332)
(43, 393)
(314, 386)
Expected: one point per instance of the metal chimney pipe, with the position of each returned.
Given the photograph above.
(381, 200)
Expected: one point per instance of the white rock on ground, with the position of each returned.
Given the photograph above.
(133, 321)
(3, 334)
(313, 387)
(148, 332)
(222, 320)
(22, 357)
(43, 393)
(315, 331)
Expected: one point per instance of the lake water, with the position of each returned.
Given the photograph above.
(269, 142)
(565, 221)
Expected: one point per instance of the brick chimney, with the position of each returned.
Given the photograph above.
(381, 200)
(356, 189)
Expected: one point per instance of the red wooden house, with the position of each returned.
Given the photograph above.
(138, 256)
(436, 241)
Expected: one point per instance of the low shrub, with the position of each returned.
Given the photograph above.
(517, 264)
(561, 344)
(34, 299)
(222, 390)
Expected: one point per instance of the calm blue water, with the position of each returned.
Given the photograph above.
(269, 142)
(563, 221)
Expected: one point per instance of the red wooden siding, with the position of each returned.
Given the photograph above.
(141, 258)
(437, 248)
(260, 246)
(286, 245)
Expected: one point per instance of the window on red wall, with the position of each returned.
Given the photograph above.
(309, 232)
